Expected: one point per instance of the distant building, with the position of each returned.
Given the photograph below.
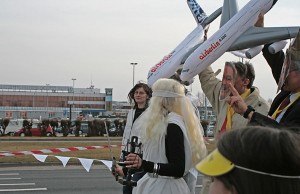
(32, 101)
(121, 109)
(38, 102)
(207, 113)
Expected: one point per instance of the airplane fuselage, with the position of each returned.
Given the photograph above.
(219, 42)
(169, 64)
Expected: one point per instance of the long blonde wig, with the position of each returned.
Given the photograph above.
(169, 96)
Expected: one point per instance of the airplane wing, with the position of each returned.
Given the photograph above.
(255, 36)
(189, 53)
(211, 17)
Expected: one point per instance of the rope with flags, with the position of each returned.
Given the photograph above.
(85, 162)
(56, 150)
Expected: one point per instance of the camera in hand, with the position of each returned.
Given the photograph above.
(127, 181)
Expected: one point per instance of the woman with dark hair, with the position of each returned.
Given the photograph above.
(255, 160)
(139, 96)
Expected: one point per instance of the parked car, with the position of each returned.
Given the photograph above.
(210, 131)
(37, 129)
(84, 128)
(58, 129)
(1, 131)
(114, 131)
(14, 125)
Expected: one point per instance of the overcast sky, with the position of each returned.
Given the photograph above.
(52, 41)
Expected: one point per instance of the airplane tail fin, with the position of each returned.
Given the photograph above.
(230, 8)
(197, 11)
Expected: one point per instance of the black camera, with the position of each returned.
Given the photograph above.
(121, 163)
(127, 181)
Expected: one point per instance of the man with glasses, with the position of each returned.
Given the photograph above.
(241, 76)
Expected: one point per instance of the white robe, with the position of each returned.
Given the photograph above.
(131, 129)
(156, 153)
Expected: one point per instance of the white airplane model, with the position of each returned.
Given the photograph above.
(237, 32)
(170, 63)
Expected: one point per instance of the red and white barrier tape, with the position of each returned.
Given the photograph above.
(55, 150)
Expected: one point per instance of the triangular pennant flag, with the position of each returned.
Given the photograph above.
(64, 160)
(86, 163)
(107, 163)
(40, 157)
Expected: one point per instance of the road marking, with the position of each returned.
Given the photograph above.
(32, 189)
(15, 184)
(10, 174)
(199, 186)
(10, 178)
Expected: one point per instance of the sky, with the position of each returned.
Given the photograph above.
(94, 41)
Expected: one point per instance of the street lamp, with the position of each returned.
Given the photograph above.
(73, 79)
(133, 65)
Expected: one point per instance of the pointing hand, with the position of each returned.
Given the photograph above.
(236, 101)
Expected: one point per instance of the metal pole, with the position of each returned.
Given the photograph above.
(47, 99)
(70, 113)
(133, 66)
(205, 104)
(72, 99)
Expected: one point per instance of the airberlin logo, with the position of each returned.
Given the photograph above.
(212, 47)
(153, 69)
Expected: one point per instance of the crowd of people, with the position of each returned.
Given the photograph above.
(257, 144)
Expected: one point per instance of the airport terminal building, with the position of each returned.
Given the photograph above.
(33, 101)
(40, 102)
